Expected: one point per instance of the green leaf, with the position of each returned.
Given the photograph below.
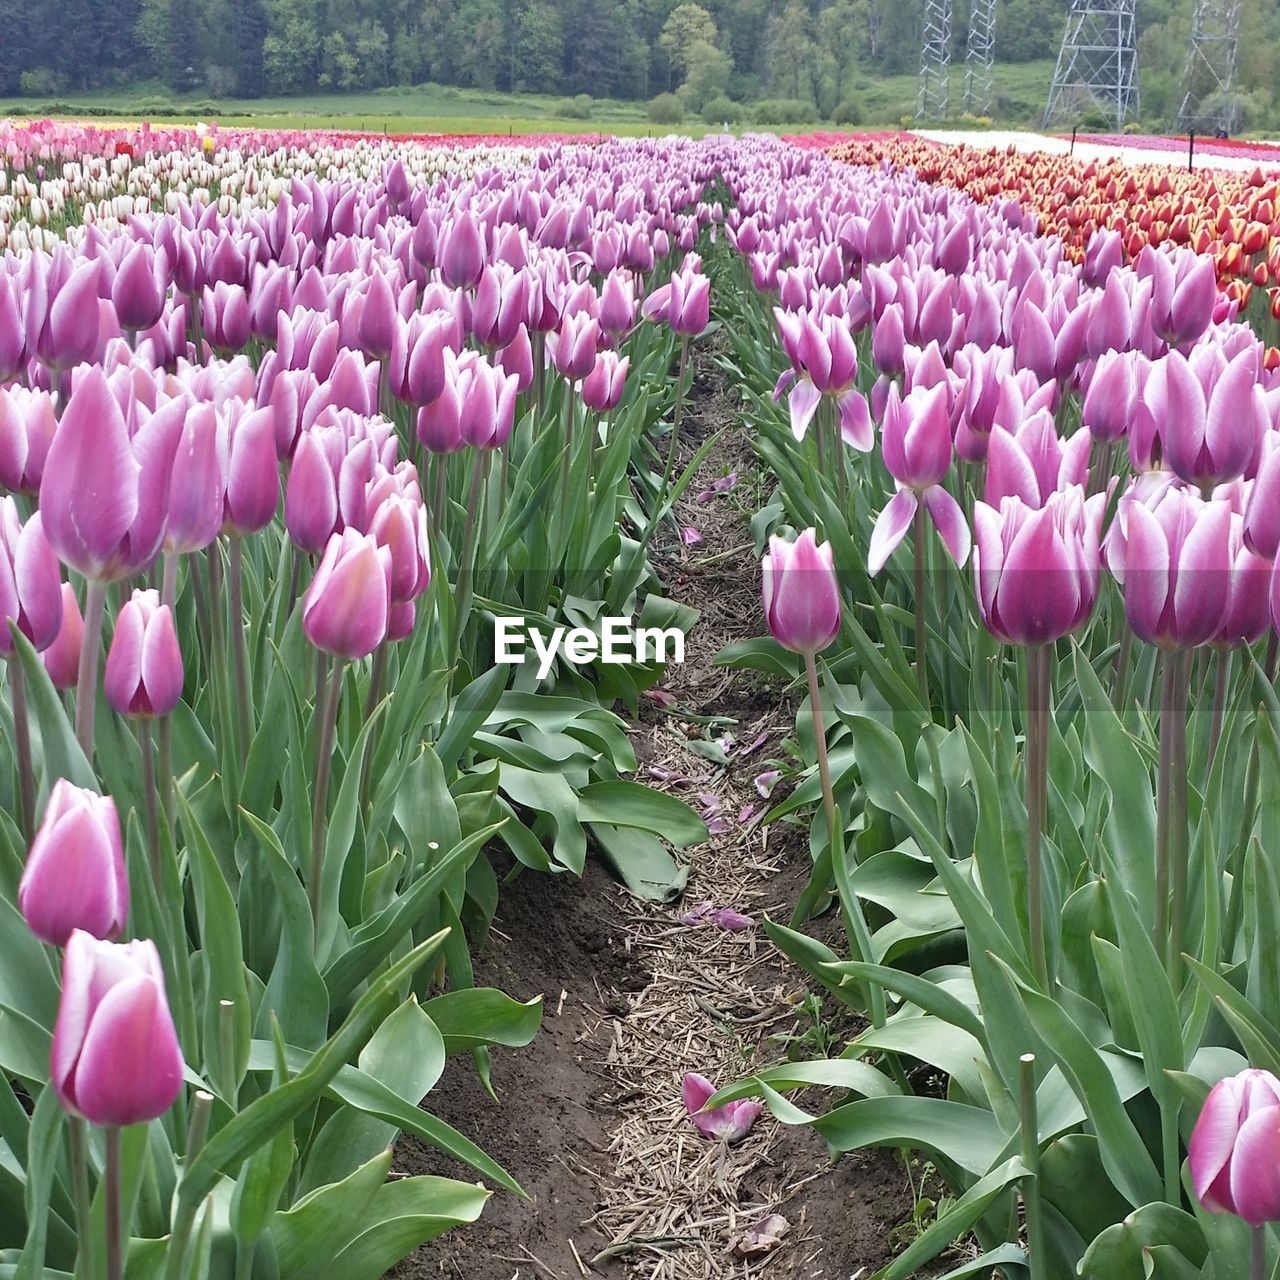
(483, 1016)
(1117, 1253)
(259, 1121)
(469, 711)
(832, 1073)
(959, 1219)
(403, 1216)
(1124, 1155)
(967, 1136)
(632, 804)
(58, 749)
(641, 861)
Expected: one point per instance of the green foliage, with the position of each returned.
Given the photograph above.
(779, 111)
(666, 108)
(576, 108)
(722, 110)
(851, 111)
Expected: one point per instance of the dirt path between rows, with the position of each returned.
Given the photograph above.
(590, 1119)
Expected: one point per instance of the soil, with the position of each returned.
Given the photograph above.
(589, 1119)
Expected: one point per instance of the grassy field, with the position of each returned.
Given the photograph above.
(1019, 97)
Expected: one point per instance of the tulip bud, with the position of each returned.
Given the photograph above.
(347, 607)
(602, 388)
(144, 674)
(62, 658)
(800, 593)
(253, 473)
(30, 583)
(115, 1057)
(75, 875)
(1235, 1148)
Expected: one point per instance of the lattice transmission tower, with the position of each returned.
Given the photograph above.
(935, 61)
(1098, 62)
(979, 55)
(1209, 81)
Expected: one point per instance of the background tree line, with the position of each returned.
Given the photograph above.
(714, 54)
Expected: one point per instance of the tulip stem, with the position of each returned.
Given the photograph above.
(676, 415)
(114, 1225)
(324, 760)
(1221, 680)
(1031, 1160)
(1039, 683)
(240, 648)
(1171, 813)
(90, 655)
(150, 794)
(922, 623)
(1258, 1253)
(566, 464)
(78, 1151)
(855, 924)
(462, 601)
(22, 748)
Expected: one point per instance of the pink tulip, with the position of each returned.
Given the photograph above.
(684, 304)
(462, 252)
(1036, 570)
(1248, 593)
(617, 305)
(487, 399)
(916, 446)
(13, 333)
(63, 323)
(602, 388)
(800, 592)
(139, 288)
(62, 658)
(728, 1123)
(30, 582)
(1183, 295)
(1234, 1152)
(226, 317)
(115, 1057)
(1208, 438)
(27, 426)
(143, 676)
(75, 875)
(104, 496)
(347, 607)
(311, 495)
(198, 484)
(253, 472)
(573, 347)
(1175, 566)
(400, 525)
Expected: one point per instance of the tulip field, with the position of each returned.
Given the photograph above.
(377, 518)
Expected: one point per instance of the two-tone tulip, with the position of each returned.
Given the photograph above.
(1234, 1152)
(75, 875)
(800, 593)
(115, 1058)
(346, 609)
(143, 676)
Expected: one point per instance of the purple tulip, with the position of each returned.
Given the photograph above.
(1248, 594)
(1208, 440)
(684, 303)
(311, 494)
(1234, 1152)
(400, 524)
(104, 496)
(198, 483)
(1183, 295)
(347, 607)
(487, 397)
(30, 581)
(1108, 404)
(62, 658)
(115, 1057)
(27, 427)
(253, 472)
(139, 288)
(800, 592)
(1174, 562)
(1036, 569)
(1033, 463)
(573, 347)
(602, 388)
(143, 676)
(75, 875)
(461, 252)
(728, 1123)
(916, 445)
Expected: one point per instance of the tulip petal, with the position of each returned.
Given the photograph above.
(890, 529)
(949, 520)
(803, 403)
(1255, 1168)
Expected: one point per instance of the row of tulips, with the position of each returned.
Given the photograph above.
(1232, 218)
(1046, 741)
(292, 462)
(58, 179)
